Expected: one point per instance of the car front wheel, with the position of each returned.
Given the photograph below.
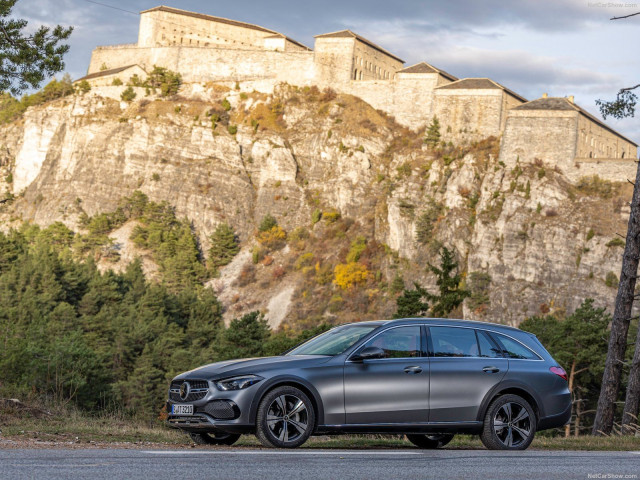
(214, 438)
(430, 441)
(509, 424)
(285, 418)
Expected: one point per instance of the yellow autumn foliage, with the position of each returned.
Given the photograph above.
(272, 238)
(346, 275)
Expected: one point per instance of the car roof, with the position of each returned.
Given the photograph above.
(441, 321)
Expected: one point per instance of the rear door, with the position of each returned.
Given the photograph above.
(465, 365)
(394, 389)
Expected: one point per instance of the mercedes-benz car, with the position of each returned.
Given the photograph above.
(428, 379)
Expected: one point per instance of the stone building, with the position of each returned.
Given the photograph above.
(556, 130)
(205, 48)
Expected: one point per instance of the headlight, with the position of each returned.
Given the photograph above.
(237, 383)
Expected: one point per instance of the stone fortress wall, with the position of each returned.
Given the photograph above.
(204, 48)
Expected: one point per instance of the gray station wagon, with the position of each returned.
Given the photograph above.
(425, 378)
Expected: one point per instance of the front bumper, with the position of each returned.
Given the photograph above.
(227, 411)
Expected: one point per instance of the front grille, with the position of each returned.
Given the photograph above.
(198, 390)
(222, 410)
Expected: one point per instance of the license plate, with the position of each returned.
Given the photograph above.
(181, 409)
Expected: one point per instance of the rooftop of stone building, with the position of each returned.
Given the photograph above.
(479, 84)
(567, 104)
(424, 67)
(350, 34)
(227, 21)
(104, 73)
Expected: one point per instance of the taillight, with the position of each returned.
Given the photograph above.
(559, 371)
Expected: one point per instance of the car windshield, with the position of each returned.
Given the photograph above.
(335, 341)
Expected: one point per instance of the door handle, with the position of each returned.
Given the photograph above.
(491, 369)
(414, 369)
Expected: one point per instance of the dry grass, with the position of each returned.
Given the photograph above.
(38, 424)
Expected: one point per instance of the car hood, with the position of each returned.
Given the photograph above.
(245, 366)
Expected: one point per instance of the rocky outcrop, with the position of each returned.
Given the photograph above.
(529, 240)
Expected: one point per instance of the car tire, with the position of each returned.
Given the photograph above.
(285, 418)
(430, 441)
(214, 438)
(509, 424)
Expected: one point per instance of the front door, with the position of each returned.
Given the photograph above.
(465, 366)
(394, 389)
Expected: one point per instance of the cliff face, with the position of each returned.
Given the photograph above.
(528, 239)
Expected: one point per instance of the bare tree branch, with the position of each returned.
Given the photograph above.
(625, 16)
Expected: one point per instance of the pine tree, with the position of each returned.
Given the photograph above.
(448, 280)
(245, 337)
(433, 132)
(411, 304)
(579, 343)
(267, 223)
(224, 246)
(27, 59)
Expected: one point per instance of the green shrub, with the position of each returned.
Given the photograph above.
(479, 283)
(267, 223)
(116, 82)
(427, 220)
(224, 245)
(611, 280)
(358, 246)
(167, 81)
(84, 86)
(233, 129)
(316, 216)
(226, 105)
(128, 95)
(11, 108)
(616, 242)
(433, 132)
(596, 186)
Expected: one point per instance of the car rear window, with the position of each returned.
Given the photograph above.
(487, 348)
(513, 349)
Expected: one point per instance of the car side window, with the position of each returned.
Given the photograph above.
(513, 349)
(400, 342)
(487, 348)
(453, 342)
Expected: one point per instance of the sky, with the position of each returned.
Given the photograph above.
(559, 47)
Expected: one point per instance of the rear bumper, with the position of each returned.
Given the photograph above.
(555, 421)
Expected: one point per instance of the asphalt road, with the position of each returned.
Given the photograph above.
(306, 464)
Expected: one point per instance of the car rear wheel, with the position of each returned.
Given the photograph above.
(285, 418)
(509, 424)
(220, 438)
(430, 441)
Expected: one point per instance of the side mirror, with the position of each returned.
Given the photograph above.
(368, 353)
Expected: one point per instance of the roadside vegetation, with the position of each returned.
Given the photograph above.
(55, 426)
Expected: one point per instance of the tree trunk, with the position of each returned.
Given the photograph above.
(572, 374)
(576, 430)
(632, 400)
(603, 422)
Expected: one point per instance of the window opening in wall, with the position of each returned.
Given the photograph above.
(360, 74)
(622, 154)
(355, 74)
(590, 154)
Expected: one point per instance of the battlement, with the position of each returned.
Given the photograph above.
(206, 48)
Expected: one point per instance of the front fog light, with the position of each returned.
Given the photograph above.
(237, 383)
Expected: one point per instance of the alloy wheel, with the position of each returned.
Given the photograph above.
(287, 418)
(512, 424)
